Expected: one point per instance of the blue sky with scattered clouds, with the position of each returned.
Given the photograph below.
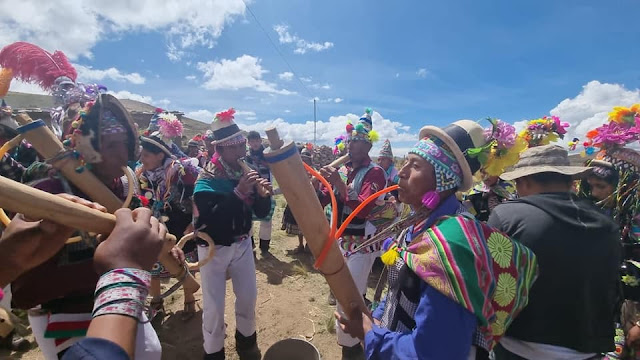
(413, 62)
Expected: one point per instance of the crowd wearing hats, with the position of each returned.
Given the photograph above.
(540, 259)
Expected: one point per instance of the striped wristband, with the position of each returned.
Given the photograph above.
(123, 292)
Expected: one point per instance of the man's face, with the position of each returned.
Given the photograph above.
(114, 150)
(385, 162)
(255, 144)
(192, 151)
(232, 153)
(416, 177)
(600, 189)
(359, 150)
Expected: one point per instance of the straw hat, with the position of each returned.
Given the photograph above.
(459, 137)
(546, 158)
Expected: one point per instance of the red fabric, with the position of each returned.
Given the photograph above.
(374, 181)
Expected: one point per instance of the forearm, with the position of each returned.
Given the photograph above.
(119, 329)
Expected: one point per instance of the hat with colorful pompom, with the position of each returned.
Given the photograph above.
(363, 130)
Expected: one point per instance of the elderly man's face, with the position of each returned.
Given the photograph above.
(417, 177)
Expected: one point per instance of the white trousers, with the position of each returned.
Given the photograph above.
(147, 343)
(238, 260)
(359, 265)
(265, 230)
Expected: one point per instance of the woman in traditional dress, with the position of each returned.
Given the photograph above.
(167, 185)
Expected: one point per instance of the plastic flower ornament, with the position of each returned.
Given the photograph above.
(502, 148)
(544, 131)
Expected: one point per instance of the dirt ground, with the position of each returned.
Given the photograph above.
(292, 303)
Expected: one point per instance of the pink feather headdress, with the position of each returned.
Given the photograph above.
(169, 125)
(31, 63)
(226, 116)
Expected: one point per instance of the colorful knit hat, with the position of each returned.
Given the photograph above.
(225, 130)
(456, 165)
(363, 131)
(386, 151)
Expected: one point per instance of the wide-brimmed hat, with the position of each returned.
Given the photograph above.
(460, 136)
(541, 159)
(225, 130)
(156, 140)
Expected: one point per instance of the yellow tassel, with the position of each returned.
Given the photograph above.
(5, 81)
(389, 257)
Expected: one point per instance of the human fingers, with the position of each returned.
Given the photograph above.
(155, 225)
(142, 215)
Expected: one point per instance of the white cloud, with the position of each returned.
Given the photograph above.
(422, 73)
(327, 131)
(162, 103)
(286, 76)
(397, 75)
(302, 45)
(124, 94)
(590, 108)
(202, 115)
(185, 24)
(320, 86)
(245, 72)
(190, 77)
(338, 100)
(306, 79)
(89, 74)
(28, 88)
(287, 111)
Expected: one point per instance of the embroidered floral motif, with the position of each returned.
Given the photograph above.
(500, 249)
(506, 289)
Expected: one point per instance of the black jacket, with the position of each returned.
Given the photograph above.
(572, 303)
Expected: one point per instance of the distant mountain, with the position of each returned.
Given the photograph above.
(141, 112)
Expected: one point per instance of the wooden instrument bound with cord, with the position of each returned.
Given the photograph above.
(50, 148)
(38, 204)
(287, 168)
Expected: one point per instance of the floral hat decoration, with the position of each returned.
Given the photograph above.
(544, 131)
(502, 148)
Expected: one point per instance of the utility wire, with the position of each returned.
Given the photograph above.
(278, 50)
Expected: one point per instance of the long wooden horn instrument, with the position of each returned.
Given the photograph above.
(286, 165)
(38, 204)
(50, 148)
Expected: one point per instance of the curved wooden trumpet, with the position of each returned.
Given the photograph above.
(212, 249)
(38, 204)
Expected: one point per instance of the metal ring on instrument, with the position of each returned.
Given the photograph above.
(212, 249)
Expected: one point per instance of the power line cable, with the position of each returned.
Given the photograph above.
(295, 74)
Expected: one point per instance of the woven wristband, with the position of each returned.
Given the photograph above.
(122, 292)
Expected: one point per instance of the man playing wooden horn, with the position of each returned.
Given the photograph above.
(363, 179)
(226, 199)
(60, 291)
(455, 283)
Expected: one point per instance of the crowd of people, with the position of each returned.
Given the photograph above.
(495, 246)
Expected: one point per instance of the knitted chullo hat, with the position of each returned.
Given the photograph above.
(386, 151)
(363, 130)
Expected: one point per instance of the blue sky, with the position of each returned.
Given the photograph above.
(414, 62)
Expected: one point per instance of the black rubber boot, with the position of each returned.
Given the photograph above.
(264, 245)
(355, 352)
(215, 356)
(247, 347)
